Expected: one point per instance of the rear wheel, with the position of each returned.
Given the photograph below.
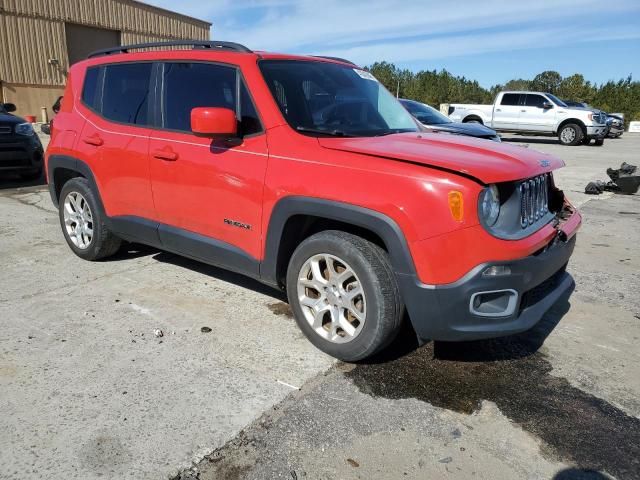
(344, 295)
(83, 223)
(570, 134)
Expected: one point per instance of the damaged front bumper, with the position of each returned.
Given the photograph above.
(495, 298)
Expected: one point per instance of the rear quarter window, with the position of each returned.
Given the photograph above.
(90, 88)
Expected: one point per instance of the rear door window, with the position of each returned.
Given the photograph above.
(125, 93)
(510, 99)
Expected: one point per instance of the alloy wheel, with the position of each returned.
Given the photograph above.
(332, 298)
(568, 135)
(78, 220)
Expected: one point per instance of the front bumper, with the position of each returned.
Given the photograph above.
(447, 312)
(597, 131)
(20, 154)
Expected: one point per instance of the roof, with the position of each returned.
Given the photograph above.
(168, 12)
(524, 91)
(113, 54)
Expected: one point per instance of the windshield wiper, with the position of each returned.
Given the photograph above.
(332, 133)
(393, 132)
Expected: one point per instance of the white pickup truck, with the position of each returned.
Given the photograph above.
(536, 113)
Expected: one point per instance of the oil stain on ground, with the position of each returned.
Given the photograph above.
(512, 373)
(281, 308)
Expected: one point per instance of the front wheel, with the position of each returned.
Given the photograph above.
(570, 134)
(344, 295)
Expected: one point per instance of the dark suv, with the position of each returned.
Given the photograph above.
(20, 147)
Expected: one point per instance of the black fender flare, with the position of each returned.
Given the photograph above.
(70, 163)
(380, 224)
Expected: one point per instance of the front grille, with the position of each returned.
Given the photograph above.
(534, 199)
(5, 130)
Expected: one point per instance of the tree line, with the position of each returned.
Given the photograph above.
(435, 87)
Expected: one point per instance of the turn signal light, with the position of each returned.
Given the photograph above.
(456, 205)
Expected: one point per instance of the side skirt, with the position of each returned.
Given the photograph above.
(188, 244)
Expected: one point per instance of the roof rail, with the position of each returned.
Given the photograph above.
(338, 59)
(196, 44)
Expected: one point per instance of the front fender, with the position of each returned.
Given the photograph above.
(383, 226)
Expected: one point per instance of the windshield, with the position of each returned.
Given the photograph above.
(425, 114)
(556, 100)
(326, 98)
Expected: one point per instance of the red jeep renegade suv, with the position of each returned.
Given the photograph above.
(306, 174)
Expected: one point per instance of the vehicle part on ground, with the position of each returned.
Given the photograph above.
(623, 180)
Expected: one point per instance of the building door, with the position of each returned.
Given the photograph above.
(82, 40)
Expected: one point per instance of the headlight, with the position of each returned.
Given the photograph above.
(24, 129)
(489, 205)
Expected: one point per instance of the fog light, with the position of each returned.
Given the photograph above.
(497, 271)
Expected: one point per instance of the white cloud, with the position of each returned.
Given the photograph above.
(399, 31)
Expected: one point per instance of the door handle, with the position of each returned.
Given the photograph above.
(165, 153)
(94, 140)
(498, 110)
(523, 110)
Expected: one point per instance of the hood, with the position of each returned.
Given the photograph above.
(472, 129)
(8, 119)
(488, 162)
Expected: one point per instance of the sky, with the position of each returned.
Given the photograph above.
(485, 40)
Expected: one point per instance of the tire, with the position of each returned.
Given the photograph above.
(366, 270)
(570, 134)
(599, 142)
(101, 242)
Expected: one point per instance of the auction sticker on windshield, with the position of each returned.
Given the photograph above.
(364, 74)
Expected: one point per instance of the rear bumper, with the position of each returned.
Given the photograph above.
(515, 302)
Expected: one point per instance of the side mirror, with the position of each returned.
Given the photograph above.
(547, 105)
(45, 128)
(9, 107)
(56, 106)
(214, 121)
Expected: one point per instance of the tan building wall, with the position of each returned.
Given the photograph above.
(34, 53)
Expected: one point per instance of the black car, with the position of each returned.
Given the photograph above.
(20, 147)
(432, 119)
